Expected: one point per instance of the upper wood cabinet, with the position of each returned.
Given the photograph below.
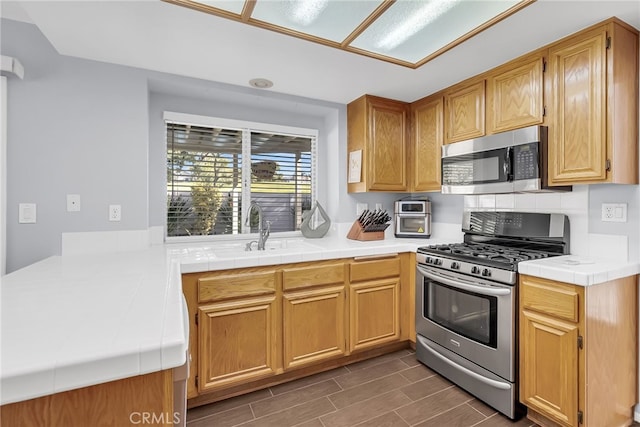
(515, 94)
(593, 106)
(378, 127)
(427, 137)
(464, 112)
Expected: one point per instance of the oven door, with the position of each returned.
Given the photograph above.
(413, 225)
(472, 317)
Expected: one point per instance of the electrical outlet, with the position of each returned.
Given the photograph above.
(73, 203)
(361, 207)
(115, 212)
(614, 212)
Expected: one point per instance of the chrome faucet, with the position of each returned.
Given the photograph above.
(263, 235)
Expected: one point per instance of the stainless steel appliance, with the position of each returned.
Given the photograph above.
(466, 300)
(412, 218)
(507, 162)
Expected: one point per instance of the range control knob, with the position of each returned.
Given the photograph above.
(475, 270)
(455, 266)
(428, 260)
(437, 261)
(486, 272)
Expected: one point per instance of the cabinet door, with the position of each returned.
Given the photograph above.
(549, 366)
(374, 313)
(515, 96)
(428, 136)
(578, 134)
(237, 342)
(314, 326)
(464, 112)
(387, 145)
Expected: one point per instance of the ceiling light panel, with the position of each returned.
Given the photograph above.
(411, 30)
(327, 19)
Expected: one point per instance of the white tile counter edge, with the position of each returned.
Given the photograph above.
(127, 307)
(577, 270)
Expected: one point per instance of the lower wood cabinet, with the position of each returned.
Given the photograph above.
(374, 313)
(313, 325)
(238, 341)
(578, 352)
(251, 326)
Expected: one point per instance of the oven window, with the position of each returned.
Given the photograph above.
(469, 314)
(412, 224)
(476, 168)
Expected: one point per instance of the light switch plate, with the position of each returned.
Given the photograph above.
(27, 213)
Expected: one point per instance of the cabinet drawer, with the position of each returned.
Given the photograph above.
(553, 298)
(236, 285)
(302, 277)
(375, 268)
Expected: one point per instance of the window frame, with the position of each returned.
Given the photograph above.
(251, 126)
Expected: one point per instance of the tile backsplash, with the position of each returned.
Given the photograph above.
(574, 204)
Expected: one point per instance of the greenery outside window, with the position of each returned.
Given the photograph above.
(216, 167)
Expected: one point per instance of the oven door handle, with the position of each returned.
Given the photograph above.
(485, 290)
(488, 381)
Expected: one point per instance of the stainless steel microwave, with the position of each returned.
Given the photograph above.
(507, 162)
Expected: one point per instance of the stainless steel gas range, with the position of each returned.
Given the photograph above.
(466, 300)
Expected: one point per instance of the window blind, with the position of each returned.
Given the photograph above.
(208, 179)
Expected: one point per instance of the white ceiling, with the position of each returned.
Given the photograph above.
(160, 36)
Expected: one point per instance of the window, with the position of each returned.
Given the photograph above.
(215, 169)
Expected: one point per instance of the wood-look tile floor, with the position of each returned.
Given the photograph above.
(393, 390)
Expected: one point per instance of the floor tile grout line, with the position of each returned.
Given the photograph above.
(485, 416)
(444, 412)
(290, 407)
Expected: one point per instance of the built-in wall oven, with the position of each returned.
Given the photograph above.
(466, 300)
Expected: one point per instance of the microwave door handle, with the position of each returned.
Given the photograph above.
(508, 165)
(486, 290)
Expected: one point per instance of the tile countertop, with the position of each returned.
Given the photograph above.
(73, 321)
(578, 270)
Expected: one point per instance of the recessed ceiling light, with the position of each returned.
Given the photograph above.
(261, 83)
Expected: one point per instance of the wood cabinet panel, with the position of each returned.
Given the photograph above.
(550, 297)
(427, 140)
(587, 366)
(114, 403)
(378, 127)
(549, 366)
(314, 325)
(376, 268)
(465, 111)
(374, 316)
(515, 95)
(577, 72)
(238, 341)
(316, 275)
(220, 287)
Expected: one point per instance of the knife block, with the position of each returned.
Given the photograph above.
(357, 233)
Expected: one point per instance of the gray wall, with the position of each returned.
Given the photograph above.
(74, 127)
(611, 193)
